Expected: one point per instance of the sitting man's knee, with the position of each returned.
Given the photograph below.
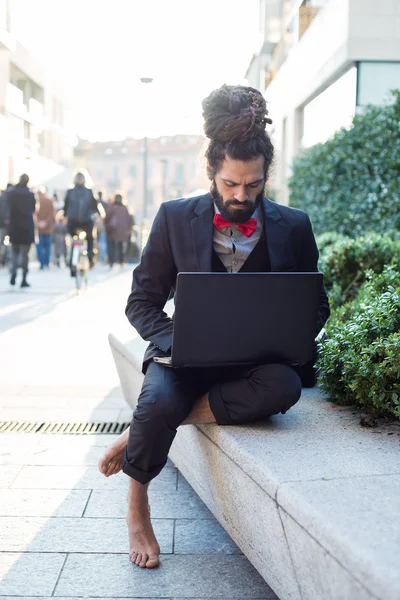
(158, 404)
(279, 387)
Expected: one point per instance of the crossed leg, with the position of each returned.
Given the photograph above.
(255, 394)
(112, 460)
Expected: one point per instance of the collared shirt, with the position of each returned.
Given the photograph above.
(232, 246)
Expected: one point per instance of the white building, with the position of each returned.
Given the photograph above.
(175, 168)
(34, 133)
(320, 63)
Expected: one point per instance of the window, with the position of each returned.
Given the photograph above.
(179, 173)
(132, 171)
(332, 109)
(375, 80)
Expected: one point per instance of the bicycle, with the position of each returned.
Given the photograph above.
(79, 260)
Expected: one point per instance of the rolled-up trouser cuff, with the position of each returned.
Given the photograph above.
(217, 406)
(142, 477)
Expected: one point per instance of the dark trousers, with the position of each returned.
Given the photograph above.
(87, 226)
(115, 252)
(20, 257)
(237, 395)
(44, 249)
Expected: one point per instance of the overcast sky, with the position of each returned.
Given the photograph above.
(99, 49)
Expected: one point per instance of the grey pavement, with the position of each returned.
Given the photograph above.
(62, 524)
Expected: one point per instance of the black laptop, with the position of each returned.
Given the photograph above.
(224, 319)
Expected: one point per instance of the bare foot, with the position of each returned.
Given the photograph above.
(143, 546)
(111, 461)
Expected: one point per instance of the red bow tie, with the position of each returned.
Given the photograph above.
(247, 228)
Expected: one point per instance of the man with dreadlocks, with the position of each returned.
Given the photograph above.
(233, 228)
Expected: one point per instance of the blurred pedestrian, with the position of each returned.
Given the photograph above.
(58, 204)
(59, 234)
(45, 213)
(79, 207)
(102, 201)
(132, 251)
(118, 226)
(101, 238)
(3, 223)
(21, 207)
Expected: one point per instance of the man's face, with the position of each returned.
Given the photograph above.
(238, 188)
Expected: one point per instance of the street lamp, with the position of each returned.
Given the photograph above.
(145, 225)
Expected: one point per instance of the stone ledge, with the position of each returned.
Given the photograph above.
(310, 497)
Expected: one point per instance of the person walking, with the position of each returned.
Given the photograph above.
(45, 222)
(59, 238)
(3, 223)
(118, 226)
(79, 207)
(21, 208)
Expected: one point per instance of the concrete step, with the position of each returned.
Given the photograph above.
(310, 497)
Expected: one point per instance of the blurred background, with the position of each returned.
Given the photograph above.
(114, 89)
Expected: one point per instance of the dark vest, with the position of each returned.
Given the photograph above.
(258, 260)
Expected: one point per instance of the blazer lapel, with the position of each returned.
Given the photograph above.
(202, 232)
(277, 233)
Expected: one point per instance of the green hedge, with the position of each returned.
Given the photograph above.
(345, 262)
(352, 181)
(360, 361)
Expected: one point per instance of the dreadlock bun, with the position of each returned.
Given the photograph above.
(235, 112)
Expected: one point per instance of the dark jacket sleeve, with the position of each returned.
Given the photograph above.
(94, 205)
(309, 263)
(66, 203)
(152, 281)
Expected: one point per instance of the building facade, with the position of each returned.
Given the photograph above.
(175, 168)
(35, 137)
(321, 62)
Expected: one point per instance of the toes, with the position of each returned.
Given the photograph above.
(116, 468)
(138, 559)
(133, 556)
(145, 558)
(152, 562)
(102, 465)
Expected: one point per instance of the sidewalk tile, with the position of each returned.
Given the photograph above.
(10, 390)
(83, 478)
(7, 475)
(182, 483)
(49, 457)
(97, 415)
(55, 440)
(29, 574)
(178, 577)
(88, 402)
(202, 537)
(164, 505)
(10, 441)
(71, 391)
(37, 534)
(43, 503)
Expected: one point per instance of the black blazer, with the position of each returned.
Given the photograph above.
(181, 239)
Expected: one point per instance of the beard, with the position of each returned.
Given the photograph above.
(228, 210)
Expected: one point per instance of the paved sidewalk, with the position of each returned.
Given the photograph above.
(62, 524)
